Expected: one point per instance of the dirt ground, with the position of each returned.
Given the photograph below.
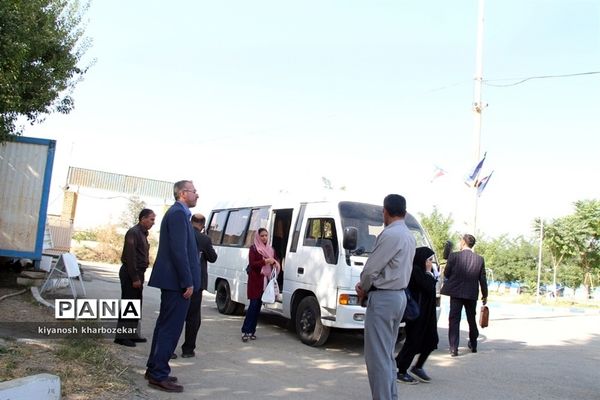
(88, 368)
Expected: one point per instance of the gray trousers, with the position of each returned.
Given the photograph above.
(382, 320)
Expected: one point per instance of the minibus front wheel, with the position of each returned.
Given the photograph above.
(309, 326)
(223, 299)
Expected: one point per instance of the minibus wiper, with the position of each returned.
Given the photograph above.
(358, 252)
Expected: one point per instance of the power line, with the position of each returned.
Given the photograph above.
(523, 80)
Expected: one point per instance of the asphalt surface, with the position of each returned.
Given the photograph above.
(527, 352)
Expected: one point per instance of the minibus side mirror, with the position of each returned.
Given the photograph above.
(448, 246)
(350, 238)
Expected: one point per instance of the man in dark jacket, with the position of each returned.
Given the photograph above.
(194, 315)
(464, 274)
(135, 259)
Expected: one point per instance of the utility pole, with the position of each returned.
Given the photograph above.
(539, 272)
(477, 102)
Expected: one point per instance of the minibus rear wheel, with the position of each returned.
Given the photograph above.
(223, 298)
(309, 326)
(239, 308)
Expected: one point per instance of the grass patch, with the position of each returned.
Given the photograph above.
(90, 368)
(527, 298)
(88, 351)
(86, 367)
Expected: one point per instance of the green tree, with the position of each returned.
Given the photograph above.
(130, 216)
(574, 240)
(560, 241)
(511, 260)
(587, 240)
(438, 227)
(41, 43)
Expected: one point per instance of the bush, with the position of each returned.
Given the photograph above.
(87, 235)
(108, 245)
(108, 248)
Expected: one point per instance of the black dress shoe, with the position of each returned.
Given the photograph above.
(165, 386)
(169, 378)
(454, 353)
(188, 355)
(139, 340)
(471, 347)
(125, 342)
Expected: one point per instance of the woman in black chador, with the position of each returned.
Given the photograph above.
(421, 334)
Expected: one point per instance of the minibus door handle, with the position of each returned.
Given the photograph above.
(300, 270)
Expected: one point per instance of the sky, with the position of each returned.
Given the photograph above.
(264, 97)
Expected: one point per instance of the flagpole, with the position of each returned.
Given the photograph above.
(477, 104)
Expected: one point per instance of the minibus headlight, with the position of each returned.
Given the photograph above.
(348, 299)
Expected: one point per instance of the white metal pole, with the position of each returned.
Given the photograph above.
(539, 272)
(477, 104)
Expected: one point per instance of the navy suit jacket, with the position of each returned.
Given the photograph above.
(177, 265)
(464, 273)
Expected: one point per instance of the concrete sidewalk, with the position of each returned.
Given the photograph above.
(524, 344)
(102, 282)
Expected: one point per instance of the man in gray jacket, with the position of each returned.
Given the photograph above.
(384, 277)
(464, 273)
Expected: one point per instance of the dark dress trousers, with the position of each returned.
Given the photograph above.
(135, 258)
(193, 319)
(464, 275)
(176, 268)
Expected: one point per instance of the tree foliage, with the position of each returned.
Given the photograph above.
(510, 260)
(129, 217)
(587, 241)
(574, 240)
(41, 43)
(438, 227)
(571, 253)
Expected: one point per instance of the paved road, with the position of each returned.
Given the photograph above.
(528, 352)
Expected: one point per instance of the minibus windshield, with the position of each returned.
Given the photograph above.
(368, 219)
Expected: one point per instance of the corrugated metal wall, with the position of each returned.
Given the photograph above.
(133, 185)
(22, 167)
(60, 232)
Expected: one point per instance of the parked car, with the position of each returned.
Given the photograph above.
(549, 290)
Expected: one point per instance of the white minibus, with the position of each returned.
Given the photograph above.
(322, 247)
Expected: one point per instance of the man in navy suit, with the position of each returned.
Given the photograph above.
(176, 273)
(464, 273)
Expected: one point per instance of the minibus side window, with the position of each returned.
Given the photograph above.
(215, 228)
(320, 232)
(258, 219)
(235, 230)
(296, 236)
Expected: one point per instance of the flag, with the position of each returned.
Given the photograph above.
(480, 185)
(471, 179)
(437, 173)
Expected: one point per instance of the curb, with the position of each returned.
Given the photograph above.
(41, 386)
(36, 294)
